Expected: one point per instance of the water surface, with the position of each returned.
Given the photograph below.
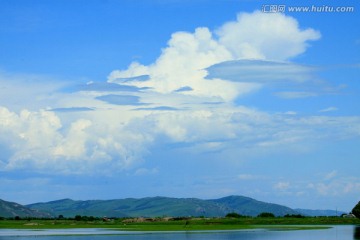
(334, 233)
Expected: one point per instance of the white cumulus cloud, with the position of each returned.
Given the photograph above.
(265, 36)
(184, 61)
(38, 140)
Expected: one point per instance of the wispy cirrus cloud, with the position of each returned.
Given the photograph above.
(282, 186)
(296, 94)
(329, 109)
(106, 87)
(260, 71)
(121, 99)
(72, 109)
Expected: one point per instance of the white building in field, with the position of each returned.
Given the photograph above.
(350, 215)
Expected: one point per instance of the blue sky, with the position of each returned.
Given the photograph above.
(116, 99)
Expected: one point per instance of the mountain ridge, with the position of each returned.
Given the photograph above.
(158, 206)
(12, 209)
(161, 206)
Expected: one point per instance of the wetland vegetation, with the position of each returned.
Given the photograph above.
(178, 224)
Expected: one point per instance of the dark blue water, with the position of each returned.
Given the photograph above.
(334, 233)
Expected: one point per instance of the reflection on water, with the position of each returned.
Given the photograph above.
(348, 232)
(357, 232)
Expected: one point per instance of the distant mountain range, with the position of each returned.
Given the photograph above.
(309, 212)
(161, 206)
(11, 209)
(153, 207)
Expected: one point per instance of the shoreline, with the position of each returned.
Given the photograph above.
(110, 231)
(180, 225)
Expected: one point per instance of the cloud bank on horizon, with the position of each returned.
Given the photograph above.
(191, 96)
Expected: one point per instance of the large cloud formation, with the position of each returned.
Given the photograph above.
(183, 97)
(252, 36)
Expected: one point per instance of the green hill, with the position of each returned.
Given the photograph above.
(251, 207)
(11, 209)
(161, 206)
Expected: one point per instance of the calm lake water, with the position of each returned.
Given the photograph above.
(334, 233)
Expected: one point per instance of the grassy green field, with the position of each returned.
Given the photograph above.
(181, 225)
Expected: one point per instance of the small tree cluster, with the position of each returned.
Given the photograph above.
(234, 215)
(85, 218)
(266, 215)
(356, 210)
(294, 216)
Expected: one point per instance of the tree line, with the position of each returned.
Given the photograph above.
(262, 215)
